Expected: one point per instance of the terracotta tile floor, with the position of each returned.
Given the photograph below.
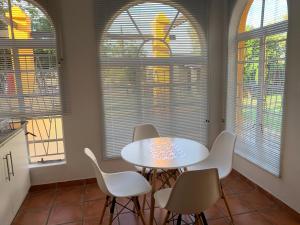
(80, 203)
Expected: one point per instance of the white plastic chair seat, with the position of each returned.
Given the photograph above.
(126, 184)
(117, 185)
(193, 192)
(162, 196)
(220, 155)
(209, 164)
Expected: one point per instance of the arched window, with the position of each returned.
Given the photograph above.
(30, 84)
(153, 61)
(259, 83)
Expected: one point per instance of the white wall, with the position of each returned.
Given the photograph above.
(286, 188)
(75, 29)
(217, 37)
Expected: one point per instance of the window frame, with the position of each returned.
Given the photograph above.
(234, 38)
(15, 45)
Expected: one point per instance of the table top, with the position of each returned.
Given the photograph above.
(164, 153)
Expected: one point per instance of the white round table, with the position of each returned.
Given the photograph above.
(163, 153)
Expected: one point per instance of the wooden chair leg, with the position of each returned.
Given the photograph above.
(167, 178)
(104, 209)
(152, 205)
(144, 171)
(138, 207)
(144, 202)
(198, 221)
(148, 176)
(134, 208)
(112, 209)
(175, 174)
(226, 204)
(178, 220)
(144, 197)
(203, 219)
(166, 218)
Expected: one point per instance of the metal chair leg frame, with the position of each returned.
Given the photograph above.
(166, 176)
(178, 220)
(199, 219)
(113, 204)
(144, 197)
(153, 180)
(138, 207)
(167, 179)
(173, 174)
(166, 220)
(144, 202)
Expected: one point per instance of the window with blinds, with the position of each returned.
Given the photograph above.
(30, 87)
(28, 65)
(153, 69)
(257, 111)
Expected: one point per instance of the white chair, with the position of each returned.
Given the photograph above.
(144, 131)
(193, 193)
(119, 185)
(220, 157)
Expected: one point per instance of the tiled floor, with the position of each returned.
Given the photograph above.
(80, 203)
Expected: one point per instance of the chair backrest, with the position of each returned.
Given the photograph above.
(194, 192)
(99, 173)
(222, 150)
(144, 131)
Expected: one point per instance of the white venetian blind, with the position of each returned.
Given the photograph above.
(257, 112)
(153, 69)
(28, 66)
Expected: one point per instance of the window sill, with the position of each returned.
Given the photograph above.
(39, 165)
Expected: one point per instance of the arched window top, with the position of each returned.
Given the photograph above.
(146, 25)
(28, 20)
(153, 69)
(262, 13)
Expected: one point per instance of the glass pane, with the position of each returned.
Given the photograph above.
(4, 21)
(45, 139)
(36, 72)
(123, 24)
(30, 22)
(120, 48)
(274, 88)
(7, 84)
(248, 90)
(146, 13)
(275, 11)
(251, 17)
(184, 39)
